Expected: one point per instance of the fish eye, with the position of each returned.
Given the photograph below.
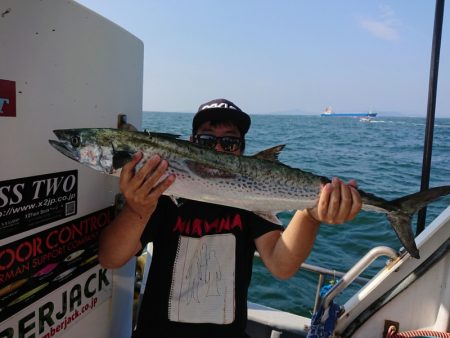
(75, 141)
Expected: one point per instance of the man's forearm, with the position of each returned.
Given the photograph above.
(295, 244)
(120, 240)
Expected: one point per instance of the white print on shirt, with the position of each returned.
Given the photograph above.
(203, 280)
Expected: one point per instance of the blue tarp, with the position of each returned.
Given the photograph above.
(323, 321)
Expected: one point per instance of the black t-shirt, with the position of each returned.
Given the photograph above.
(201, 269)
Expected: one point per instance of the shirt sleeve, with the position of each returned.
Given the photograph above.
(259, 226)
(155, 221)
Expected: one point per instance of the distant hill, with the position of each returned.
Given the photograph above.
(286, 112)
(396, 114)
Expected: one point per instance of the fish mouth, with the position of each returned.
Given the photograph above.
(64, 144)
(64, 148)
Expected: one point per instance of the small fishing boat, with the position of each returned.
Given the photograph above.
(366, 119)
(327, 111)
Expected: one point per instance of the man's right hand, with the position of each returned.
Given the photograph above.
(143, 188)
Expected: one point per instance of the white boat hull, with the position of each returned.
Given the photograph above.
(413, 293)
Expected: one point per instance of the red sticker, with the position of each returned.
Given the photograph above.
(7, 98)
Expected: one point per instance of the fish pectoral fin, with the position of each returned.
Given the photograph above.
(120, 158)
(271, 217)
(270, 154)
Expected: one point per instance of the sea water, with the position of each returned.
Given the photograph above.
(384, 156)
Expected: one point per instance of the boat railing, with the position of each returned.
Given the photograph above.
(356, 270)
(322, 275)
(345, 278)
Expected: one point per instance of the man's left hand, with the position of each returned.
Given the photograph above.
(338, 202)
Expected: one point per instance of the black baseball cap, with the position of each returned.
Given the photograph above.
(221, 110)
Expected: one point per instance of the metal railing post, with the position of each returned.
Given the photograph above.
(432, 88)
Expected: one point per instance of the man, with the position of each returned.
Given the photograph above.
(203, 253)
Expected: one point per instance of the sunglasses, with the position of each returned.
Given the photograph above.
(228, 143)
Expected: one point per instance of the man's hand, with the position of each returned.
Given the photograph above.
(141, 189)
(338, 202)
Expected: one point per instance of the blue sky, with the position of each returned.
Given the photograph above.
(286, 56)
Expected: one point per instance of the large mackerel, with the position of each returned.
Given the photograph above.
(259, 183)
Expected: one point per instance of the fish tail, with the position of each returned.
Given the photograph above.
(401, 211)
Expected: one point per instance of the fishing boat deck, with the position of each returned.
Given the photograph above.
(264, 321)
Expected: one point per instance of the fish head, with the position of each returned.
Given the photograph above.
(90, 147)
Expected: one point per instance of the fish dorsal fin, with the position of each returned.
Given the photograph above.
(270, 154)
(168, 135)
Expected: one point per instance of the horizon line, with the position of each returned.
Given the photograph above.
(380, 114)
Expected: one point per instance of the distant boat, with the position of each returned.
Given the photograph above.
(329, 113)
(365, 119)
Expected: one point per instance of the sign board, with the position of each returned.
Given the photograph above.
(61, 66)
